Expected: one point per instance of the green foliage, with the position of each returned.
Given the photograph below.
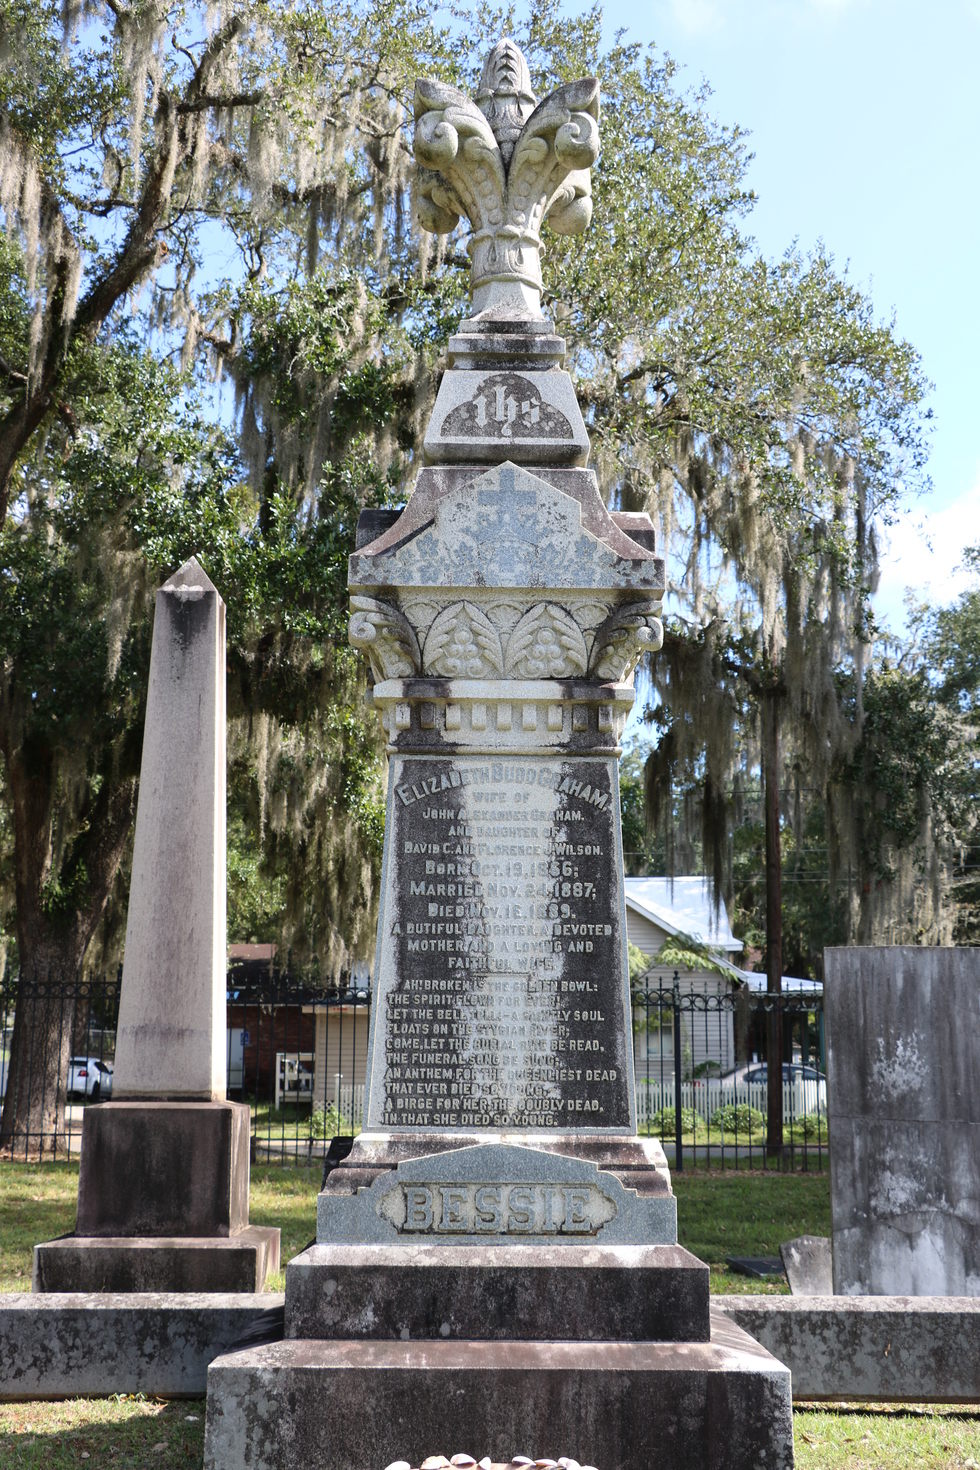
(328, 1122)
(639, 963)
(707, 1069)
(642, 851)
(812, 1128)
(903, 758)
(685, 952)
(663, 1124)
(739, 1118)
(245, 204)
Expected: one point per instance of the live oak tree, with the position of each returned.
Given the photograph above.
(219, 327)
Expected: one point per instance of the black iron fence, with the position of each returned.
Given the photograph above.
(702, 1080)
(297, 1054)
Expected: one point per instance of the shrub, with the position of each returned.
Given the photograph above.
(813, 1126)
(738, 1118)
(664, 1123)
(707, 1069)
(328, 1122)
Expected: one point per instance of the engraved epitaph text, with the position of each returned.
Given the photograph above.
(500, 998)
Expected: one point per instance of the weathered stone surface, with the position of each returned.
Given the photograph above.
(723, 1405)
(497, 1194)
(507, 529)
(74, 1344)
(503, 614)
(628, 535)
(807, 1263)
(507, 163)
(467, 717)
(164, 1169)
(533, 415)
(586, 1293)
(638, 1163)
(141, 1263)
(501, 993)
(170, 1040)
(903, 1078)
(883, 1349)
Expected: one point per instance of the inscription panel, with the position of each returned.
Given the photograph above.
(502, 992)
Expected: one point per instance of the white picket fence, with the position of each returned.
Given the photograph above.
(348, 1099)
(801, 1096)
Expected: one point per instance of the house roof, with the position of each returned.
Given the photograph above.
(792, 984)
(683, 906)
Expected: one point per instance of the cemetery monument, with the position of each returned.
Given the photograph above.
(903, 1078)
(163, 1182)
(496, 1261)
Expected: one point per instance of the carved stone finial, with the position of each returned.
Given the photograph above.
(505, 97)
(506, 164)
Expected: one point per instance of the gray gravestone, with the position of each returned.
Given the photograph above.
(807, 1262)
(163, 1182)
(499, 1248)
(903, 1095)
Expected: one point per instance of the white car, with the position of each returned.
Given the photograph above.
(90, 1077)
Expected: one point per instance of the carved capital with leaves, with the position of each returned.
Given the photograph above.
(506, 163)
(623, 638)
(383, 633)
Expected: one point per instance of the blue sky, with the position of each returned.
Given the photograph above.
(864, 118)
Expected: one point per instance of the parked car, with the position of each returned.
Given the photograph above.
(748, 1084)
(89, 1077)
(809, 1084)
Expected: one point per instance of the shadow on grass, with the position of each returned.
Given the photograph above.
(122, 1432)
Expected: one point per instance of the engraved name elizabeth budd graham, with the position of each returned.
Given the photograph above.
(502, 1008)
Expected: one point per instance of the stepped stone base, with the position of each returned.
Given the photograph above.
(638, 1163)
(162, 1204)
(164, 1168)
(233, 1263)
(718, 1405)
(579, 1293)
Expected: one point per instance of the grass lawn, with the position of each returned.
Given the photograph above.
(144, 1434)
(736, 1213)
(37, 1202)
(719, 1214)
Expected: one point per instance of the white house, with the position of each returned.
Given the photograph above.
(665, 908)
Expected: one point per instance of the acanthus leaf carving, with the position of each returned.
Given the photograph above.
(622, 639)
(506, 164)
(462, 643)
(383, 633)
(547, 643)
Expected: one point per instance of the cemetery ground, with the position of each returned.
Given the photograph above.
(720, 1214)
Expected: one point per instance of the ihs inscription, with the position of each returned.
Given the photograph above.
(506, 406)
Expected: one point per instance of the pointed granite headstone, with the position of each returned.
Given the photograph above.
(170, 1041)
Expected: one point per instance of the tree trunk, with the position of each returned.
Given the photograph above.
(32, 1124)
(52, 944)
(774, 924)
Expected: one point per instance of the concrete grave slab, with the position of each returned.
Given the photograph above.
(874, 1348)
(75, 1344)
(718, 1405)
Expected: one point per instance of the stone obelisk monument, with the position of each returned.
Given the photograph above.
(496, 1266)
(163, 1183)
